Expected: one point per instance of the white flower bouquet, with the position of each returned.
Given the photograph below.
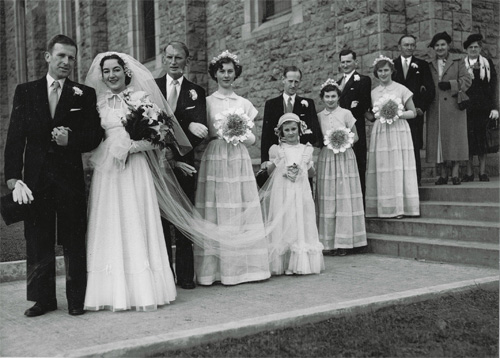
(339, 139)
(388, 109)
(233, 125)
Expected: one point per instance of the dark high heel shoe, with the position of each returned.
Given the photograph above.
(455, 180)
(441, 181)
(467, 178)
(483, 177)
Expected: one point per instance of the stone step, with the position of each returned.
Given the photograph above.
(460, 230)
(466, 192)
(460, 210)
(434, 249)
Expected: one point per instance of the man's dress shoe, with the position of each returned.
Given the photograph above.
(39, 309)
(76, 311)
(187, 285)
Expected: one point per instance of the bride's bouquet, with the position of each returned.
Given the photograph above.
(144, 120)
(388, 109)
(233, 125)
(339, 139)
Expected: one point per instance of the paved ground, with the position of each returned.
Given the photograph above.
(350, 284)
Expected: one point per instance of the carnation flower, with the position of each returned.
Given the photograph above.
(77, 91)
(388, 108)
(233, 125)
(339, 139)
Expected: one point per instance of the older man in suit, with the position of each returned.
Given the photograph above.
(414, 74)
(288, 101)
(53, 121)
(188, 101)
(356, 97)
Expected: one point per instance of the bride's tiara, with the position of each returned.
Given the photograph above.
(330, 82)
(382, 58)
(225, 54)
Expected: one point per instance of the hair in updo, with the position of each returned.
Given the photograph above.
(213, 67)
(382, 63)
(114, 56)
(329, 88)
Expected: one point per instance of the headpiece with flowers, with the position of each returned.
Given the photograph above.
(382, 58)
(225, 54)
(330, 82)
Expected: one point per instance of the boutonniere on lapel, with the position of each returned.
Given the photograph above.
(304, 103)
(356, 77)
(77, 91)
(193, 94)
(414, 65)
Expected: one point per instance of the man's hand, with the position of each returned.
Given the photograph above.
(419, 112)
(60, 135)
(22, 194)
(198, 129)
(185, 168)
(494, 114)
(354, 104)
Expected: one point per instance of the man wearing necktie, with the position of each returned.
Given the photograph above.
(414, 74)
(356, 97)
(53, 121)
(288, 102)
(188, 102)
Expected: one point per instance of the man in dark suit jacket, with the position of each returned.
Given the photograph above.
(417, 77)
(53, 121)
(188, 101)
(356, 97)
(288, 101)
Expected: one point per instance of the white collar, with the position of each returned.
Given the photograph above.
(285, 96)
(403, 59)
(51, 80)
(170, 79)
(472, 61)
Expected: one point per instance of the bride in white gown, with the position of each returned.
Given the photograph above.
(128, 266)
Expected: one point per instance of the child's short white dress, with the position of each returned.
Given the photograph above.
(289, 214)
(339, 200)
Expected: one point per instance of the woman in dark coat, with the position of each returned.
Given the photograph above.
(483, 94)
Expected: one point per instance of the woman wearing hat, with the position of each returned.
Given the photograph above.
(446, 122)
(483, 94)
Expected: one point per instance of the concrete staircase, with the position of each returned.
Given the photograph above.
(458, 224)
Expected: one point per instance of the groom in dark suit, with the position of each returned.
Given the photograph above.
(288, 101)
(188, 102)
(356, 97)
(414, 74)
(53, 121)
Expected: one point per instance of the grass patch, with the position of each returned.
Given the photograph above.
(458, 325)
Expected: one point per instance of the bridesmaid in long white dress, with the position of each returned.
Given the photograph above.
(227, 192)
(128, 266)
(391, 176)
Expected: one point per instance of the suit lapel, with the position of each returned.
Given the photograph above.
(162, 84)
(297, 104)
(64, 104)
(183, 94)
(348, 84)
(447, 65)
(42, 99)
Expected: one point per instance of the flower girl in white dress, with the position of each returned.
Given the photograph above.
(288, 205)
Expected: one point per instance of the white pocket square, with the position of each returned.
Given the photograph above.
(303, 114)
(75, 109)
(190, 107)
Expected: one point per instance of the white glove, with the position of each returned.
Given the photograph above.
(198, 129)
(250, 140)
(185, 168)
(141, 146)
(22, 194)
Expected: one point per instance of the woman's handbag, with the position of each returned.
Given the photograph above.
(462, 100)
(492, 135)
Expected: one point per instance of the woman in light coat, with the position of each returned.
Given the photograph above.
(446, 123)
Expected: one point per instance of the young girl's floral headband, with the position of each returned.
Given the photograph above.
(226, 54)
(330, 82)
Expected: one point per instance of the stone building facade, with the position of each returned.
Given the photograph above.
(306, 33)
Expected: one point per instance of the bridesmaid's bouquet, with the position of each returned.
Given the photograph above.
(388, 109)
(144, 120)
(233, 125)
(339, 139)
(292, 171)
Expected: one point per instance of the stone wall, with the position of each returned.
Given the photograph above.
(311, 38)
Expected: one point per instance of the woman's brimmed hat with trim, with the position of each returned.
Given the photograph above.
(440, 36)
(471, 39)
